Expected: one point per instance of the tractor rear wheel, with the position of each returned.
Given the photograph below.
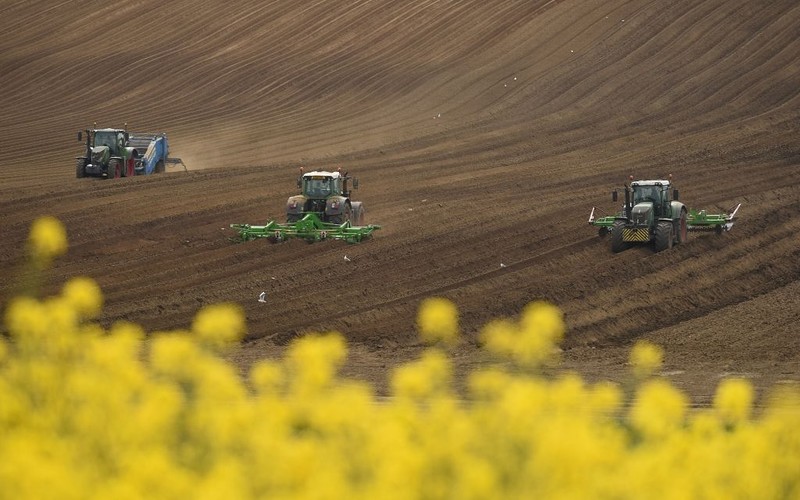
(80, 168)
(129, 170)
(292, 218)
(114, 169)
(663, 236)
(346, 215)
(358, 213)
(617, 244)
(681, 228)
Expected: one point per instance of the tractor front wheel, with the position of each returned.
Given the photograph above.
(114, 170)
(160, 167)
(663, 236)
(80, 168)
(617, 244)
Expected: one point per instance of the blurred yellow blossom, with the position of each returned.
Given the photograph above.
(645, 358)
(315, 359)
(48, 238)
(659, 408)
(531, 342)
(26, 317)
(734, 399)
(219, 325)
(437, 321)
(606, 397)
(267, 377)
(429, 375)
(84, 296)
(544, 320)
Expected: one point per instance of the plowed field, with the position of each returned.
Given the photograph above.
(482, 134)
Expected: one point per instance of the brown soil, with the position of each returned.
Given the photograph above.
(482, 133)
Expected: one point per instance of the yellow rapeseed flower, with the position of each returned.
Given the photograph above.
(438, 321)
(26, 318)
(734, 400)
(48, 238)
(545, 320)
(429, 375)
(645, 358)
(530, 343)
(219, 325)
(84, 296)
(313, 360)
(267, 377)
(606, 397)
(498, 336)
(659, 408)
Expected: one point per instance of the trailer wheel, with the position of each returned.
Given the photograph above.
(114, 170)
(80, 168)
(160, 167)
(663, 236)
(617, 244)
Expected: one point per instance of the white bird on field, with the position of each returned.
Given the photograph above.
(262, 297)
(346, 258)
(502, 265)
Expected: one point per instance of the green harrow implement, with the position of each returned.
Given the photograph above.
(696, 221)
(309, 228)
(702, 221)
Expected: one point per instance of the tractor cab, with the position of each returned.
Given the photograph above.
(648, 194)
(317, 185)
(648, 199)
(325, 194)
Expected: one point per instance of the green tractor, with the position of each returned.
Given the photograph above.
(107, 154)
(113, 153)
(326, 195)
(652, 214)
(322, 210)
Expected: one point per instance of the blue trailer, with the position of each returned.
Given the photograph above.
(156, 153)
(114, 153)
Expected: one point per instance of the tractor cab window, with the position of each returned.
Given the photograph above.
(318, 187)
(646, 193)
(108, 139)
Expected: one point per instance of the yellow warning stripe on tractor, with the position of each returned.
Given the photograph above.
(635, 234)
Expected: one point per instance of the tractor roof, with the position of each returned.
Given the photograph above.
(322, 173)
(650, 183)
(109, 130)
